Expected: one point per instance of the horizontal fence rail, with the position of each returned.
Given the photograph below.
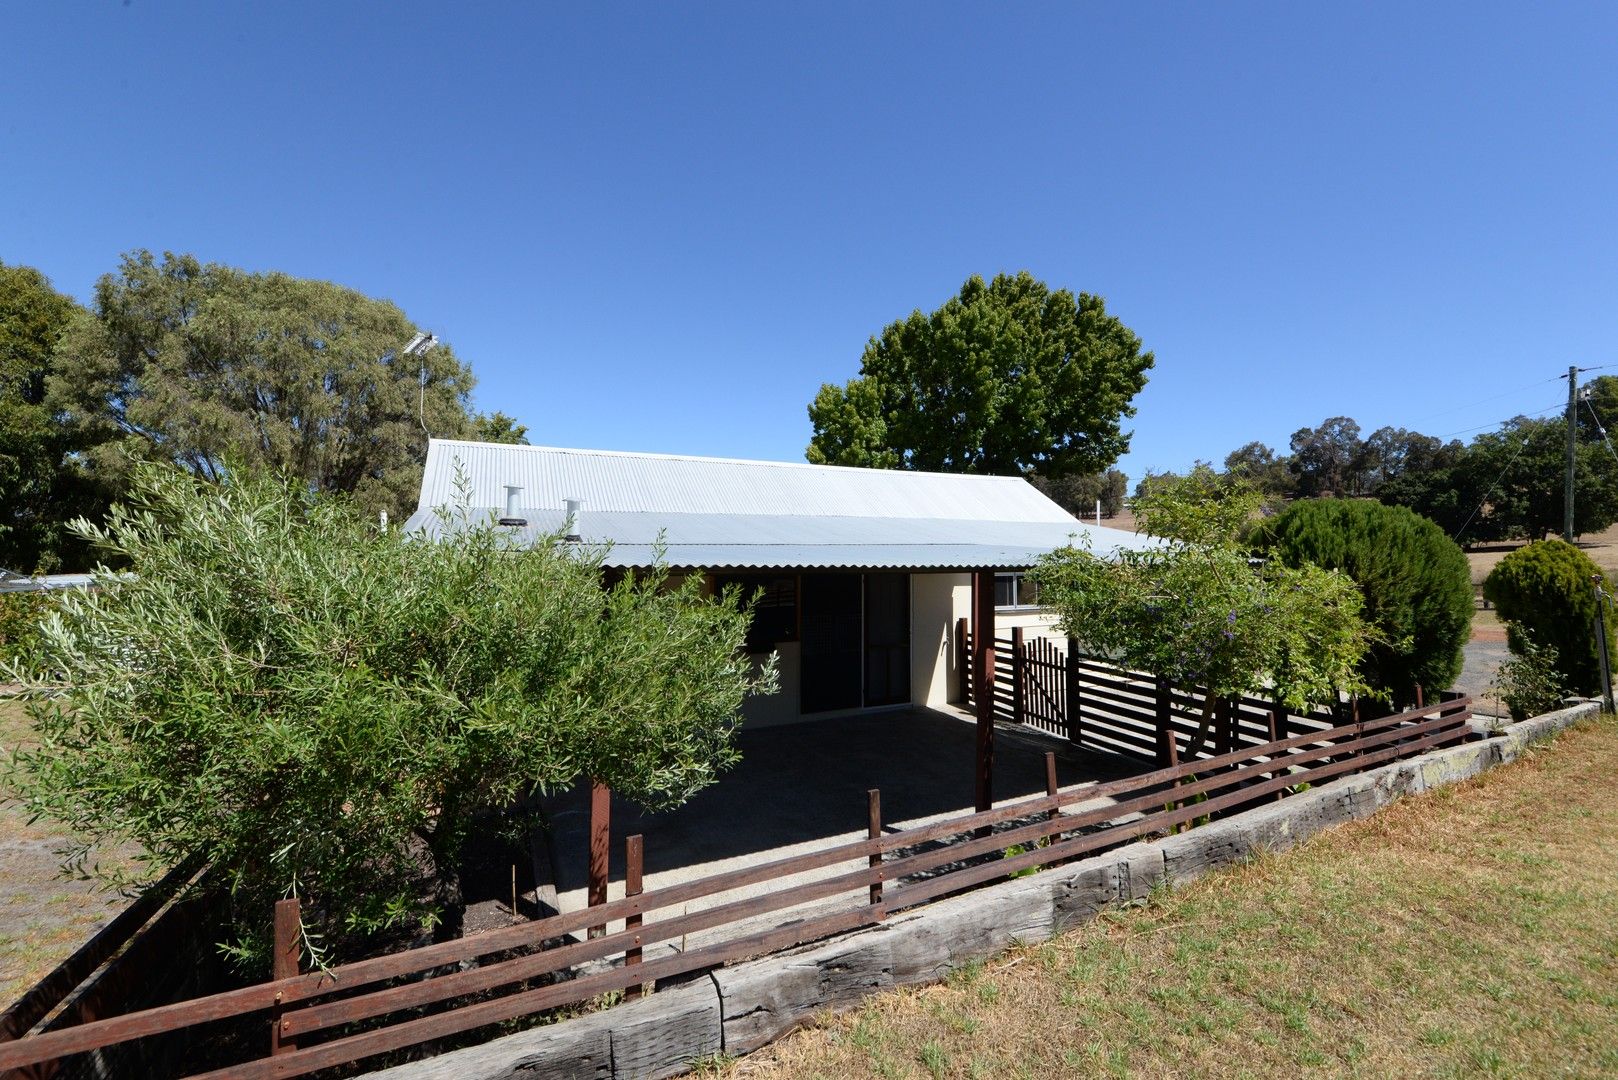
(390, 1003)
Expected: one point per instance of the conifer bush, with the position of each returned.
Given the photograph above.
(1545, 594)
(1415, 580)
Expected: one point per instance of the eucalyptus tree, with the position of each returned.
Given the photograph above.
(322, 707)
(197, 364)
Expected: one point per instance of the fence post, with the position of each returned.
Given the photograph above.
(1419, 702)
(1224, 725)
(1051, 786)
(285, 961)
(1165, 733)
(634, 856)
(1019, 672)
(1072, 672)
(873, 831)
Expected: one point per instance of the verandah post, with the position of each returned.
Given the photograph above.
(284, 964)
(963, 659)
(600, 839)
(983, 682)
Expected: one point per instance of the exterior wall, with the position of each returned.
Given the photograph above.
(936, 600)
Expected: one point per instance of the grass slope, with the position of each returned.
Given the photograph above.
(1472, 931)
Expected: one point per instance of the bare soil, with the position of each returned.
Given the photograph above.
(44, 915)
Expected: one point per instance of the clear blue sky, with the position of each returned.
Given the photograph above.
(662, 227)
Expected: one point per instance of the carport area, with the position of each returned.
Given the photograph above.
(800, 787)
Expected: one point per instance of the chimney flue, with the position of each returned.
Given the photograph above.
(513, 506)
(575, 509)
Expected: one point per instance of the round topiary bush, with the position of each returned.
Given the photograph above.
(1416, 583)
(1544, 593)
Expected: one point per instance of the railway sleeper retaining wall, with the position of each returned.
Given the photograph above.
(737, 1009)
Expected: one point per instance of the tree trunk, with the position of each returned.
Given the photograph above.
(448, 896)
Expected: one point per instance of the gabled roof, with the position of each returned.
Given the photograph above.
(725, 513)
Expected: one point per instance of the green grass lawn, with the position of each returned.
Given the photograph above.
(1472, 931)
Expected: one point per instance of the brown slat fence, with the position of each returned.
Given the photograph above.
(387, 1004)
(1105, 707)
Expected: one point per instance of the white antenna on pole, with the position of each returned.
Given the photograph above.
(420, 345)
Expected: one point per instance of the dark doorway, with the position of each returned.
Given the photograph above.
(831, 613)
(887, 639)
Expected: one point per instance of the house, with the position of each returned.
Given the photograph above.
(862, 574)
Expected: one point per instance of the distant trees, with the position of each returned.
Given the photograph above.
(41, 485)
(199, 364)
(1505, 484)
(1008, 377)
(1078, 495)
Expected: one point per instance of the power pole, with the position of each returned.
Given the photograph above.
(1572, 417)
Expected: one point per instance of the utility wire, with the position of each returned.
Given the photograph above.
(1497, 423)
(1523, 446)
(1592, 411)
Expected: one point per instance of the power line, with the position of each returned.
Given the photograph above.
(1591, 409)
(1497, 423)
(1521, 447)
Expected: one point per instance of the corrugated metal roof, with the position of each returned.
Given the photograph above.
(720, 513)
(610, 480)
(44, 582)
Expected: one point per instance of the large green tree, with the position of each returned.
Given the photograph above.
(1009, 377)
(41, 486)
(323, 707)
(199, 363)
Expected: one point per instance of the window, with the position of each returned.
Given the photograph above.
(1015, 591)
(775, 614)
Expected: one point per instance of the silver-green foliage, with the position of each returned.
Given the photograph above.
(1201, 611)
(323, 707)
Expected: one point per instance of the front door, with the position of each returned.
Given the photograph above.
(887, 639)
(830, 676)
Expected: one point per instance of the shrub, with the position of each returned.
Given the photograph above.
(1529, 684)
(19, 614)
(1544, 594)
(324, 708)
(1415, 580)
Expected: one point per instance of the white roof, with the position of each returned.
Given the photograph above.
(719, 512)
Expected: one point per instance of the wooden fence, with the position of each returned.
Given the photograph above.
(1104, 707)
(321, 1019)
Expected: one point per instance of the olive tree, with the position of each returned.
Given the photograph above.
(326, 708)
(1199, 610)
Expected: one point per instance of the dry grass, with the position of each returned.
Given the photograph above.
(1472, 931)
(44, 916)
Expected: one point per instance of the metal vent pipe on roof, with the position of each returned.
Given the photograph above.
(575, 508)
(513, 506)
